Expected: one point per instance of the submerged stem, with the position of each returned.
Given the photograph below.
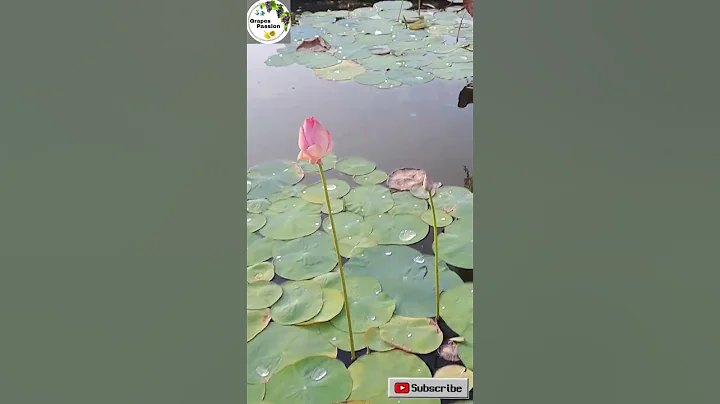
(339, 261)
(437, 260)
(457, 37)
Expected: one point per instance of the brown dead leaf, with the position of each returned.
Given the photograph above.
(449, 351)
(404, 179)
(317, 44)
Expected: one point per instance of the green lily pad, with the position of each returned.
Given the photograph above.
(291, 218)
(281, 60)
(255, 393)
(316, 60)
(456, 307)
(369, 306)
(352, 246)
(443, 219)
(404, 229)
(370, 78)
(378, 63)
(347, 224)
(405, 274)
(315, 379)
(340, 339)
(374, 342)
(371, 372)
(279, 346)
(336, 189)
(407, 203)
(257, 320)
(397, 15)
(345, 70)
(455, 372)
(286, 192)
(457, 201)
(262, 271)
(389, 84)
(332, 306)
(300, 301)
(415, 335)
(262, 294)
(337, 206)
(269, 177)
(465, 351)
(305, 257)
(392, 5)
(372, 178)
(259, 249)
(328, 163)
(257, 205)
(419, 192)
(368, 200)
(410, 76)
(255, 222)
(355, 166)
(456, 244)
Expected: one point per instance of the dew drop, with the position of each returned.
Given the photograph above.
(388, 252)
(471, 290)
(278, 257)
(409, 334)
(317, 224)
(407, 235)
(419, 259)
(442, 219)
(329, 227)
(331, 187)
(357, 220)
(443, 307)
(377, 292)
(318, 374)
(371, 317)
(334, 339)
(249, 220)
(383, 196)
(263, 372)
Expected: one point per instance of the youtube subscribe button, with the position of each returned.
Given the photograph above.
(404, 387)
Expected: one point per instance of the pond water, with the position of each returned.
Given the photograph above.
(411, 126)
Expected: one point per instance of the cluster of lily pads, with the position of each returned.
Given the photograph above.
(295, 318)
(385, 46)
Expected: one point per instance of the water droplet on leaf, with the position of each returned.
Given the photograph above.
(388, 252)
(318, 374)
(371, 317)
(409, 334)
(331, 187)
(419, 259)
(263, 372)
(406, 235)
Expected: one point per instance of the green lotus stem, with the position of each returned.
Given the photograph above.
(339, 261)
(437, 260)
(457, 38)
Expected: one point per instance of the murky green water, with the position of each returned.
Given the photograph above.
(411, 126)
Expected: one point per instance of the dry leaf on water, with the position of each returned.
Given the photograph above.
(317, 44)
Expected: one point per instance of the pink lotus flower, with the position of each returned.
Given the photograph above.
(314, 141)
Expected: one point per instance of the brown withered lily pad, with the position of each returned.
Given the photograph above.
(415, 335)
(449, 351)
(404, 179)
(317, 44)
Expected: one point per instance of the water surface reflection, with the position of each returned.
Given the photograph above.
(411, 126)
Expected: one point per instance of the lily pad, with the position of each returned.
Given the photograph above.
(456, 244)
(345, 70)
(255, 222)
(457, 201)
(392, 5)
(369, 306)
(456, 307)
(352, 246)
(262, 294)
(291, 218)
(370, 78)
(279, 346)
(355, 166)
(257, 320)
(259, 249)
(269, 177)
(410, 76)
(335, 188)
(340, 339)
(371, 372)
(257, 205)
(305, 257)
(337, 206)
(389, 84)
(465, 350)
(372, 178)
(455, 372)
(348, 224)
(443, 219)
(378, 63)
(328, 163)
(374, 342)
(415, 335)
(367, 200)
(281, 60)
(405, 274)
(286, 192)
(300, 301)
(316, 60)
(407, 203)
(262, 271)
(315, 379)
(404, 229)
(332, 306)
